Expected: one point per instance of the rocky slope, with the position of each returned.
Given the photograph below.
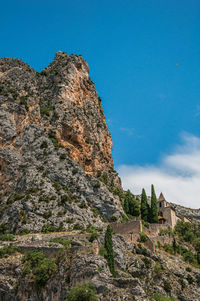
(140, 273)
(192, 214)
(54, 144)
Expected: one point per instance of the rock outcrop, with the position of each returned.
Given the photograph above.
(55, 158)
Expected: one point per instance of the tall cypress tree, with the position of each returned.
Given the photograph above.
(154, 207)
(144, 207)
(108, 245)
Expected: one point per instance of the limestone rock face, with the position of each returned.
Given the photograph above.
(54, 147)
(63, 98)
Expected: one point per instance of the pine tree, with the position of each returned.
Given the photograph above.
(154, 207)
(108, 245)
(144, 206)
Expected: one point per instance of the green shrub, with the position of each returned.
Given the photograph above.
(47, 214)
(124, 218)
(44, 198)
(63, 241)
(3, 228)
(8, 250)
(63, 156)
(104, 178)
(24, 102)
(198, 279)
(24, 231)
(168, 232)
(142, 237)
(64, 198)
(97, 185)
(190, 279)
(82, 205)
(189, 257)
(50, 228)
(78, 227)
(91, 229)
(188, 232)
(14, 197)
(52, 137)
(145, 224)
(168, 248)
(160, 297)
(167, 286)
(95, 212)
(57, 186)
(44, 144)
(7, 237)
(182, 283)
(82, 292)
(113, 218)
(103, 252)
(158, 270)
(93, 236)
(69, 220)
(147, 262)
(40, 266)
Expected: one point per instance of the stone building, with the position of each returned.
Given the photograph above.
(166, 214)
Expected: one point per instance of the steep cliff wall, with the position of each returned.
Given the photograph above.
(55, 145)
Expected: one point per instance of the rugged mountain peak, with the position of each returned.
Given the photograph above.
(61, 98)
(53, 130)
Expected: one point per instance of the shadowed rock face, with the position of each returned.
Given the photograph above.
(54, 143)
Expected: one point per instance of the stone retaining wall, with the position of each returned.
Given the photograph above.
(154, 229)
(129, 227)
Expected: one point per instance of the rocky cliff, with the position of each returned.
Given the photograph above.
(55, 158)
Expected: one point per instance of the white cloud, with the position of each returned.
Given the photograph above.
(177, 175)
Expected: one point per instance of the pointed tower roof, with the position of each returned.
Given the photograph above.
(161, 197)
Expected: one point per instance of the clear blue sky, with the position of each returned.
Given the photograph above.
(144, 58)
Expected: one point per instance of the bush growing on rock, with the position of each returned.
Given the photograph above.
(7, 237)
(93, 236)
(158, 270)
(40, 266)
(167, 286)
(63, 241)
(82, 292)
(142, 237)
(190, 279)
(8, 250)
(160, 297)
